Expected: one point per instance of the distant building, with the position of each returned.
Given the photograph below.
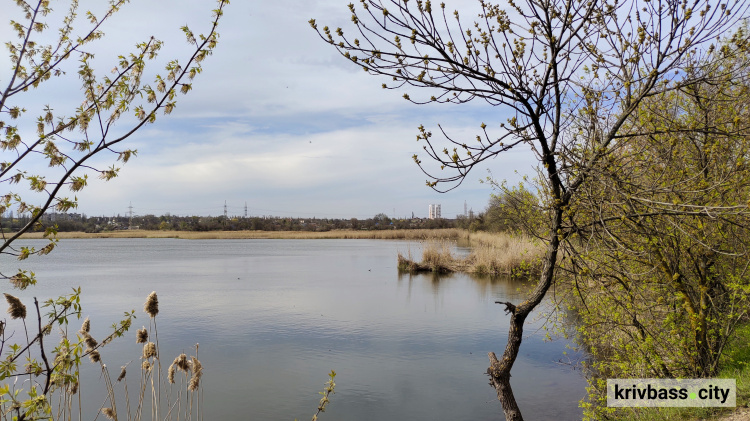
(434, 212)
(54, 216)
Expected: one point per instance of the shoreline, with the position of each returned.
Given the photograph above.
(417, 234)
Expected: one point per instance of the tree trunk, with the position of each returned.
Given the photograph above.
(499, 370)
(504, 392)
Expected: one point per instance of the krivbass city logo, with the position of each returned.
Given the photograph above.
(671, 392)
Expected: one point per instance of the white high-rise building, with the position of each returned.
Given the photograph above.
(434, 212)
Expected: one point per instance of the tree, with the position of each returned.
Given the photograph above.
(660, 273)
(514, 209)
(568, 75)
(65, 141)
(113, 108)
(381, 219)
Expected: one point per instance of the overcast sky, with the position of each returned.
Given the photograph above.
(278, 120)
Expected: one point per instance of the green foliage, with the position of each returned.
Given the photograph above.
(514, 209)
(656, 265)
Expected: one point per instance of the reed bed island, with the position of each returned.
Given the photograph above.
(491, 254)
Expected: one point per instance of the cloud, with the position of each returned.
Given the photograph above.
(277, 119)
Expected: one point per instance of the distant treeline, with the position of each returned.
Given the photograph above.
(497, 217)
(79, 222)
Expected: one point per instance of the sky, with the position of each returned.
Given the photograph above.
(277, 121)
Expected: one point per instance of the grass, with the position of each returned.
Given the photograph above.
(735, 365)
(417, 234)
(492, 254)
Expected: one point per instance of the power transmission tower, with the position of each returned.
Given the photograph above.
(245, 209)
(465, 212)
(130, 214)
(225, 210)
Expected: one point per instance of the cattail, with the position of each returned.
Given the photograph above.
(197, 373)
(73, 388)
(146, 366)
(94, 356)
(152, 304)
(149, 350)
(122, 374)
(109, 413)
(16, 310)
(86, 326)
(90, 341)
(141, 336)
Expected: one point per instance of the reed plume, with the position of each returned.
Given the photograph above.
(141, 336)
(170, 373)
(16, 310)
(90, 341)
(122, 373)
(179, 363)
(182, 363)
(197, 374)
(86, 326)
(149, 350)
(152, 304)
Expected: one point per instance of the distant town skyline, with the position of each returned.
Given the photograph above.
(239, 211)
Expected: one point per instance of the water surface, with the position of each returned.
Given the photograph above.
(273, 317)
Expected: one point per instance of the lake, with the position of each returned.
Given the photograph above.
(273, 317)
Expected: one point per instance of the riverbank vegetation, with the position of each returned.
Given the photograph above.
(735, 365)
(656, 266)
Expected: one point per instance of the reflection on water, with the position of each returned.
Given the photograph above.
(485, 286)
(273, 317)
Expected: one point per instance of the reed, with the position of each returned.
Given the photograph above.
(501, 253)
(53, 390)
(492, 254)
